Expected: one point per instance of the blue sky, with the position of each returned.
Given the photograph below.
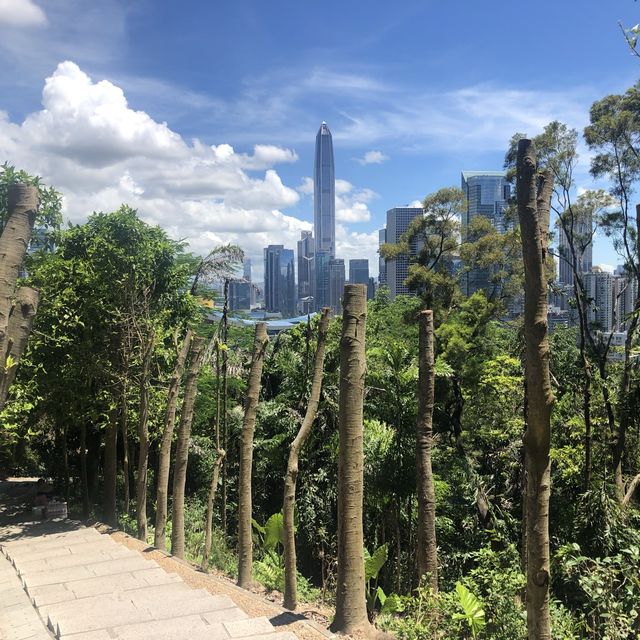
(162, 104)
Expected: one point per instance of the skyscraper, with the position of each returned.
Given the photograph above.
(306, 272)
(336, 284)
(398, 221)
(598, 285)
(279, 280)
(324, 193)
(359, 271)
(582, 233)
(487, 193)
(382, 263)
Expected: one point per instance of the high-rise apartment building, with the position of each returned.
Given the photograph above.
(336, 284)
(279, 280)
(324, 193)
(397, 270)
(487, 193)
(599, 289)
(582, 234)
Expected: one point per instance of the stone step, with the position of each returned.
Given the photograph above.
(27, 555)
(248, 627)
(75, 559)
(150, 605)
(139, 597)
(46, 538)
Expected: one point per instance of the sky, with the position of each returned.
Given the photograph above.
(203, 115)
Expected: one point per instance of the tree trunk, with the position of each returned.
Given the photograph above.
(288, 507)
(624, 413)
(245, 546)
(143, 437)
(84, 480)
(21, 319)
(182, 448)
(225, 396)
(65, 461)
(215, 476)
(164, 458)
(427, 556)
(351, 610)
(23, 203)
(110, 470)
(533, 211)
(124, 432)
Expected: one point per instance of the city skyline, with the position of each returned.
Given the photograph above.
(401, 128)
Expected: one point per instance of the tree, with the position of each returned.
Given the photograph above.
(351, 608)
(245, 544)
(288, 507)
(164, 456)
(15, 327)
(427, 557)
(429, 244)
(614, 133)
(534, 199)
(182, 447)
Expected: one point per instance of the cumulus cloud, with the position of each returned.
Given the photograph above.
(372, 157)
(99, 152)
(351, 203)
(21, 13)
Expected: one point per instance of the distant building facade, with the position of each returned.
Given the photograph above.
(279, 280)
(336, 284)
(397, 270)
(306, 272)
(487, 194)
(382, 263)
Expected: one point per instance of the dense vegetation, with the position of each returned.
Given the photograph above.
(121, 354)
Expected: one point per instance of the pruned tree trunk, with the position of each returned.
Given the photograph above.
(351, 610)
(288, 507)
(84, 480)
(23, 204)
(182, 448)
(143, 437)
(124, 432)
(21, 319)
(427, 556)
(164, 458)
(534, 197)
(215, 475)
(245, 545)
(110, 470)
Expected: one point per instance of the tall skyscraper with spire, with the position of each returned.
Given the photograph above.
(324, 214)
(324, 193)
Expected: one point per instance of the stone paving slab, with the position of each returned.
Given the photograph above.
(88, 587)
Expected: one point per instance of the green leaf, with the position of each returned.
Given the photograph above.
(373, 563)
(274, 531)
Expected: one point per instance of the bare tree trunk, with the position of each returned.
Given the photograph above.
(427, 556)
(21, 319)
(245, 545)
(143, 437)
(288, 507)
(124, 432)
(182, 448)
(225, 396)
(533, 211)
(215, 476)
(164, 458)
(23, 203)
(633, 485)
(65, 460)
(351, 610)
(110, 470)
(84, 481)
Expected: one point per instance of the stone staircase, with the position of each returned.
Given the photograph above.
(77, 584)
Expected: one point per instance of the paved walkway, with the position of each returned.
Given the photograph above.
(62, 580)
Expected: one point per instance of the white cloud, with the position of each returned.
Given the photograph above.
(91, 145)
(21, 13)
(351, 203)
(306, 186)
(372, 157)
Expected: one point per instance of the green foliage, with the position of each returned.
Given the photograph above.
(472, 611)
